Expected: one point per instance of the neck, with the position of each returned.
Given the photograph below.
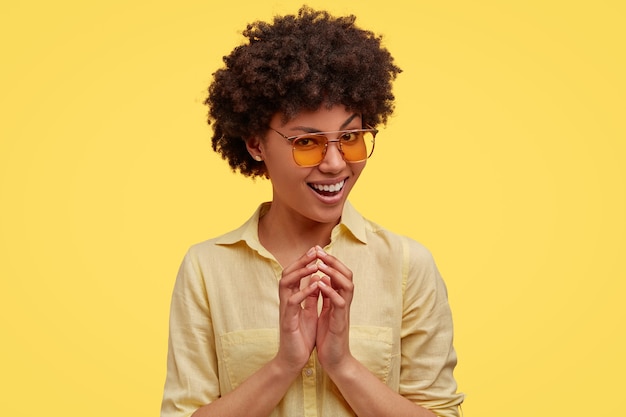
(288, 235)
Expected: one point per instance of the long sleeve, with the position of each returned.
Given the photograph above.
(192, 373)
(428, 356)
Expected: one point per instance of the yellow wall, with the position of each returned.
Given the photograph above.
(506, 157)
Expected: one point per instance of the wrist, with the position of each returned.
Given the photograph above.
(285, 369)
(345, 370)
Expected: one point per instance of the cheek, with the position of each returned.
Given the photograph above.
(284, 172)
(281, 167)
(358, 168)
(278, 163)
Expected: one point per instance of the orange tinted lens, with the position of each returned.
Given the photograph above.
(357, 146)
(309, 150)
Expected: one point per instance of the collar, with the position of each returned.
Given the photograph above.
(351, 222)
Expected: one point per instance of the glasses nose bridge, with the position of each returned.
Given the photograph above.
(327, 141)
(334, 161)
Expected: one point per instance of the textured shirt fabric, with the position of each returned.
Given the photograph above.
(224, 321)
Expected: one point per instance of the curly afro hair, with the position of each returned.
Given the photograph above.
(294, 64)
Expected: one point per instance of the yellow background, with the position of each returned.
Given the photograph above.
(506, 157)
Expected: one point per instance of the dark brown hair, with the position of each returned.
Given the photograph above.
(296, 63)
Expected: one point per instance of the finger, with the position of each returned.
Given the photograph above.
(290, 282)
(292, 307)
(338, 280)
(331, 296)
(333, 262)
(302, 267)
(301, 262)
(305, 295)
(310, 302)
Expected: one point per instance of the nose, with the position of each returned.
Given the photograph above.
(333, 158)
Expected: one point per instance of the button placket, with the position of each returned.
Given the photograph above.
(309, 388)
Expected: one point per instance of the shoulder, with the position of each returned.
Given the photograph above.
(414, 251)
(213, 250)
(242, 238)
(419, 269)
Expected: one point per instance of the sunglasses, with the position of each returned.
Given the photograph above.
(309, 149)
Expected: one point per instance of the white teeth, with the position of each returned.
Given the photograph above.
(333, 188)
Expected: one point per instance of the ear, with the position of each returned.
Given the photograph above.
(255, 148)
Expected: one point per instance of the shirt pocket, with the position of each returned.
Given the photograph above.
(246, 351)
(373, 347)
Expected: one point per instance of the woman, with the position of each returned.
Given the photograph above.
(307, 309)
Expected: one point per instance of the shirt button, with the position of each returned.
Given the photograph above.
(308, 372)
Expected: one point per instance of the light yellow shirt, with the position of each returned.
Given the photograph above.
(224, 321)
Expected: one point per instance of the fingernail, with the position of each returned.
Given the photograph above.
(321, 264)
(311, 251)
(320, 251)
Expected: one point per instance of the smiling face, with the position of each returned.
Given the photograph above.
(316, 193)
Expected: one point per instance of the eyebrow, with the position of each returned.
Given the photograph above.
(314, 130)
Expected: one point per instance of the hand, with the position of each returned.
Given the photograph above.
(333, 324)
(298, 312)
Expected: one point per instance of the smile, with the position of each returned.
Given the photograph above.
(327, 189)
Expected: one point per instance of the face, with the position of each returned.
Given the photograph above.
(314, 193)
